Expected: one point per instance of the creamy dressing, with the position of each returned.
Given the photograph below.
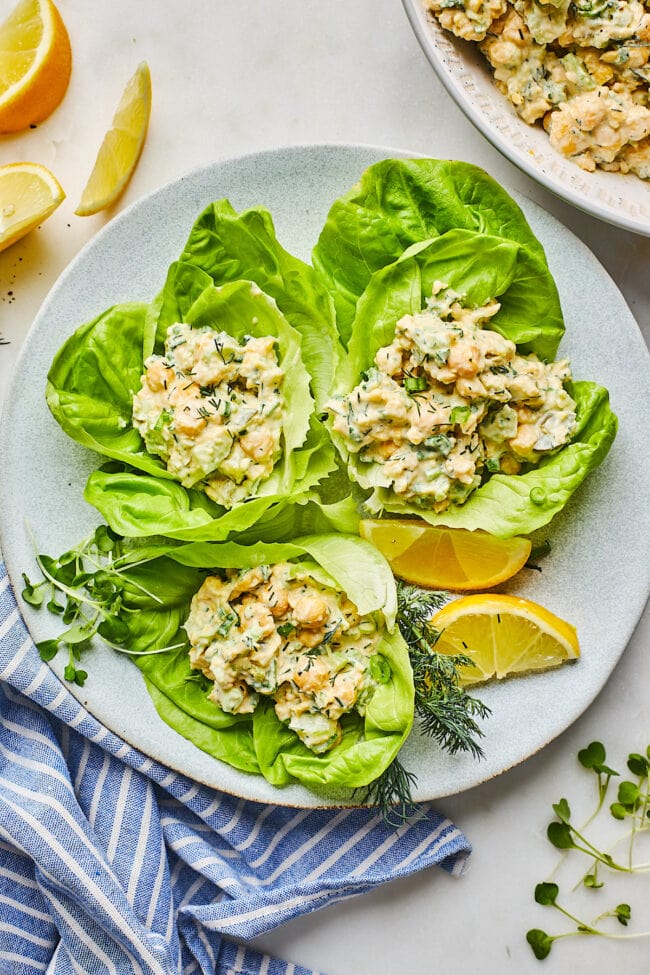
(212, 408)
(448, 402)
(277, 632)
(582, 68)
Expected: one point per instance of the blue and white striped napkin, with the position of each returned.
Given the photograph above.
(111, 863)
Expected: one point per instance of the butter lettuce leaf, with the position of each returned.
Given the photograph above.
(224, 246)
(92, 381)
(477, 266)
(136, 505)
(400, 202)
(160, 587)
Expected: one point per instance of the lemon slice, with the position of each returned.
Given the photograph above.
(120, 151)
(503, 635)
(445, 558)
(29, 193)
(35, 64)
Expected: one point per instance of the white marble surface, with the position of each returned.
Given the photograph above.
(230, 78)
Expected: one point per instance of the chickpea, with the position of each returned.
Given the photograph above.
(257, 444)
(465, 359)
(386, 448)
(310, 611)
(276, 599)
(158, 376)
(310, 638)
(471, 388)
(313, 676)
(188, 423)
(525, 438)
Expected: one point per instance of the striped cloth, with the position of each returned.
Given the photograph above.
(111, 863)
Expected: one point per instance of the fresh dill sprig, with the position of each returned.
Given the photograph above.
(447, 712)
(391, 792)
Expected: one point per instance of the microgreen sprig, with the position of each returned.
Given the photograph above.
(633, 804)
(90, 579)
(541, 943)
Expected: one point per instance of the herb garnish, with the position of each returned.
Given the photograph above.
(92, 579)
(633, 804)
(446, 711)
(391, 792)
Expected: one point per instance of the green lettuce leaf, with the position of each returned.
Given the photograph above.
(232, 744)
(224, 246)
(352, 564)
(400, 202)
(156, 598)
(92, 382)
(137, 505)
(478, 266)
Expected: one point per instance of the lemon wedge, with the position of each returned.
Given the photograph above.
(503, 635)
(445, 558)
(35, 64)
(120, 151)
(29, 193)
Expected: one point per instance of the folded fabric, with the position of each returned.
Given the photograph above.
(112, 863)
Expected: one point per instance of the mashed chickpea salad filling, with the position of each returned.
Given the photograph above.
(212, 408)
(259, 406)
(581, 68)
(448, 401)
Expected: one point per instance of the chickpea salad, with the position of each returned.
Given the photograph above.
(212, 408)
(449, 400)
(259, 406)
(579, 68)
(278, 632)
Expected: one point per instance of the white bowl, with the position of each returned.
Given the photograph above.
(622, 200)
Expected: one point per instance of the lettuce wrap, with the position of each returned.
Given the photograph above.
(480, 268)
(156, 594)
(90, 390)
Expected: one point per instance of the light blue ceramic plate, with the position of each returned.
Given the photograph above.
(598, 575)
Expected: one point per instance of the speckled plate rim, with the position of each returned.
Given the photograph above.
(618, 199)
(298, 183)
